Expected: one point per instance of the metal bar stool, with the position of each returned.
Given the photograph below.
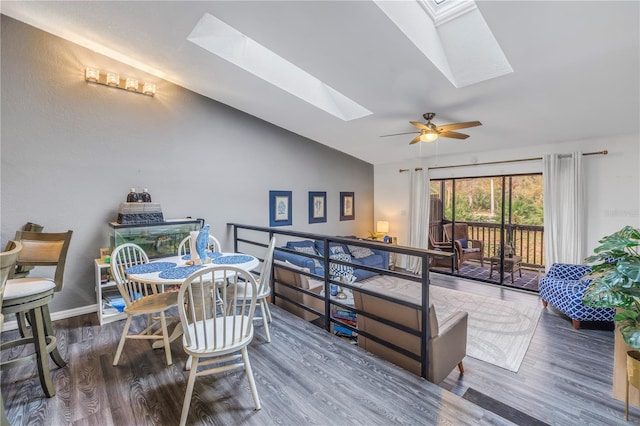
(29, 297)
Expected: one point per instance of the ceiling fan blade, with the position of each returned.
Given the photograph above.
(456, 126)
(415, 140)
(454, 135)
(420, 125)
(397, 134)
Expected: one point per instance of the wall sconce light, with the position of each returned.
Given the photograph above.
(112, 79)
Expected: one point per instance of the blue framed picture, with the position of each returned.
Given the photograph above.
(279, 208)
(347, 206)
(317, 207)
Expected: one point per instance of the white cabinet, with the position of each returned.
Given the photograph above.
(105, 290)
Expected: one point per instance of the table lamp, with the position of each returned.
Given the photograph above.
(382, 227)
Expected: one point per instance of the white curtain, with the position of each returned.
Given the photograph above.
(564, 203)
(419, 216)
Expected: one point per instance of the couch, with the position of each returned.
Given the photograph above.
(358, 256)
(563, 288)
(296, 279)
(448, 343)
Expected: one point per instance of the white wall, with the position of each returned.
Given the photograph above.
(613, 182)
(71, 150)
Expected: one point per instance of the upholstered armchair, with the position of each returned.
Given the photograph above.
(563, 288)
(466, 248)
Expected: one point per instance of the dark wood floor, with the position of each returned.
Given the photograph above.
(307, 376)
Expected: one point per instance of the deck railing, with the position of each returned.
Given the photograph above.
(527, 240)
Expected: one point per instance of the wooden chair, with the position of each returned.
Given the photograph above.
(23, 270)
(462, 242)
(218, 333)
(264, 288)
(445, 247)
(29, 299)
(140, 299)
(7, 264)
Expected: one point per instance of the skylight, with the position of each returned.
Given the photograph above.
(221, 39)
(453, 35)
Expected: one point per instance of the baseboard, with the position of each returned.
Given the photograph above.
(13, 325)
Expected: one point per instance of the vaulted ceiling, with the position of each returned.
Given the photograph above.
(533, 72)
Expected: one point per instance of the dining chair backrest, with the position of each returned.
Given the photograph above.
(264, 283)
(21, 270)
(8, 260)
(184, 247)
(210, 326)
(123, 257)
(44, 249)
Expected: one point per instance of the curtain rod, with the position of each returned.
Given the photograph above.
(604, 152)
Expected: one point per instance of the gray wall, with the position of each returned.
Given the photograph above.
(71, 150)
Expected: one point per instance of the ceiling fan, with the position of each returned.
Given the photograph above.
(429, 132)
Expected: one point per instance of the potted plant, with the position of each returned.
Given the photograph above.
(616, 281)
(616, 284)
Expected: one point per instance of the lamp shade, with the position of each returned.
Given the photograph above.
(382, 226)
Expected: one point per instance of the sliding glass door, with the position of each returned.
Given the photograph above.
(493, 224)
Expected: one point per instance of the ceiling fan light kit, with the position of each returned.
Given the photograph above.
(429, 132)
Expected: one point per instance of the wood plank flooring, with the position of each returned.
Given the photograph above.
(308, 376)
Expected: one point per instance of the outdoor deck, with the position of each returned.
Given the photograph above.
(473, 270)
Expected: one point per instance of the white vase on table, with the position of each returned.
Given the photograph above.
(192, 248)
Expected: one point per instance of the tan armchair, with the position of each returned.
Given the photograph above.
(473, 252)
(297, 280)
(448, 343)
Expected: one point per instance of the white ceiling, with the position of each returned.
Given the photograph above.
(575, 67)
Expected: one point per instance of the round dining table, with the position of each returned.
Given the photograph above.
(174, 270)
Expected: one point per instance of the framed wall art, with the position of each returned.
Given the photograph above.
(280, 208)
(347, 206)
(317, 207)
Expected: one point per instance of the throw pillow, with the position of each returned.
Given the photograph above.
(335, 250)
(360, 252)
(463, 242)
(337, 270)
(309, 250)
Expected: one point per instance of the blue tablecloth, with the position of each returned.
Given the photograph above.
(230, 260)
(147, 268)
(179, 272)
(210, 254)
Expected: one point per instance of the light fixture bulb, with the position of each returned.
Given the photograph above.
(149, 89)
(131, 84)
(92, 74)
(428, 137)
(113, 79)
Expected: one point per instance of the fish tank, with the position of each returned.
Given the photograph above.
(156, 239)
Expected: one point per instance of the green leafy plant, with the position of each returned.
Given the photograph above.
(616, 281)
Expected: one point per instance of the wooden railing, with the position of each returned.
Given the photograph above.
(527, 240)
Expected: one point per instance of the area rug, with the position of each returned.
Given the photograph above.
(498, 332)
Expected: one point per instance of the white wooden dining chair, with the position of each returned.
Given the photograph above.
(214, 332)
(184, 247)
(264, 289)
(140, 299)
